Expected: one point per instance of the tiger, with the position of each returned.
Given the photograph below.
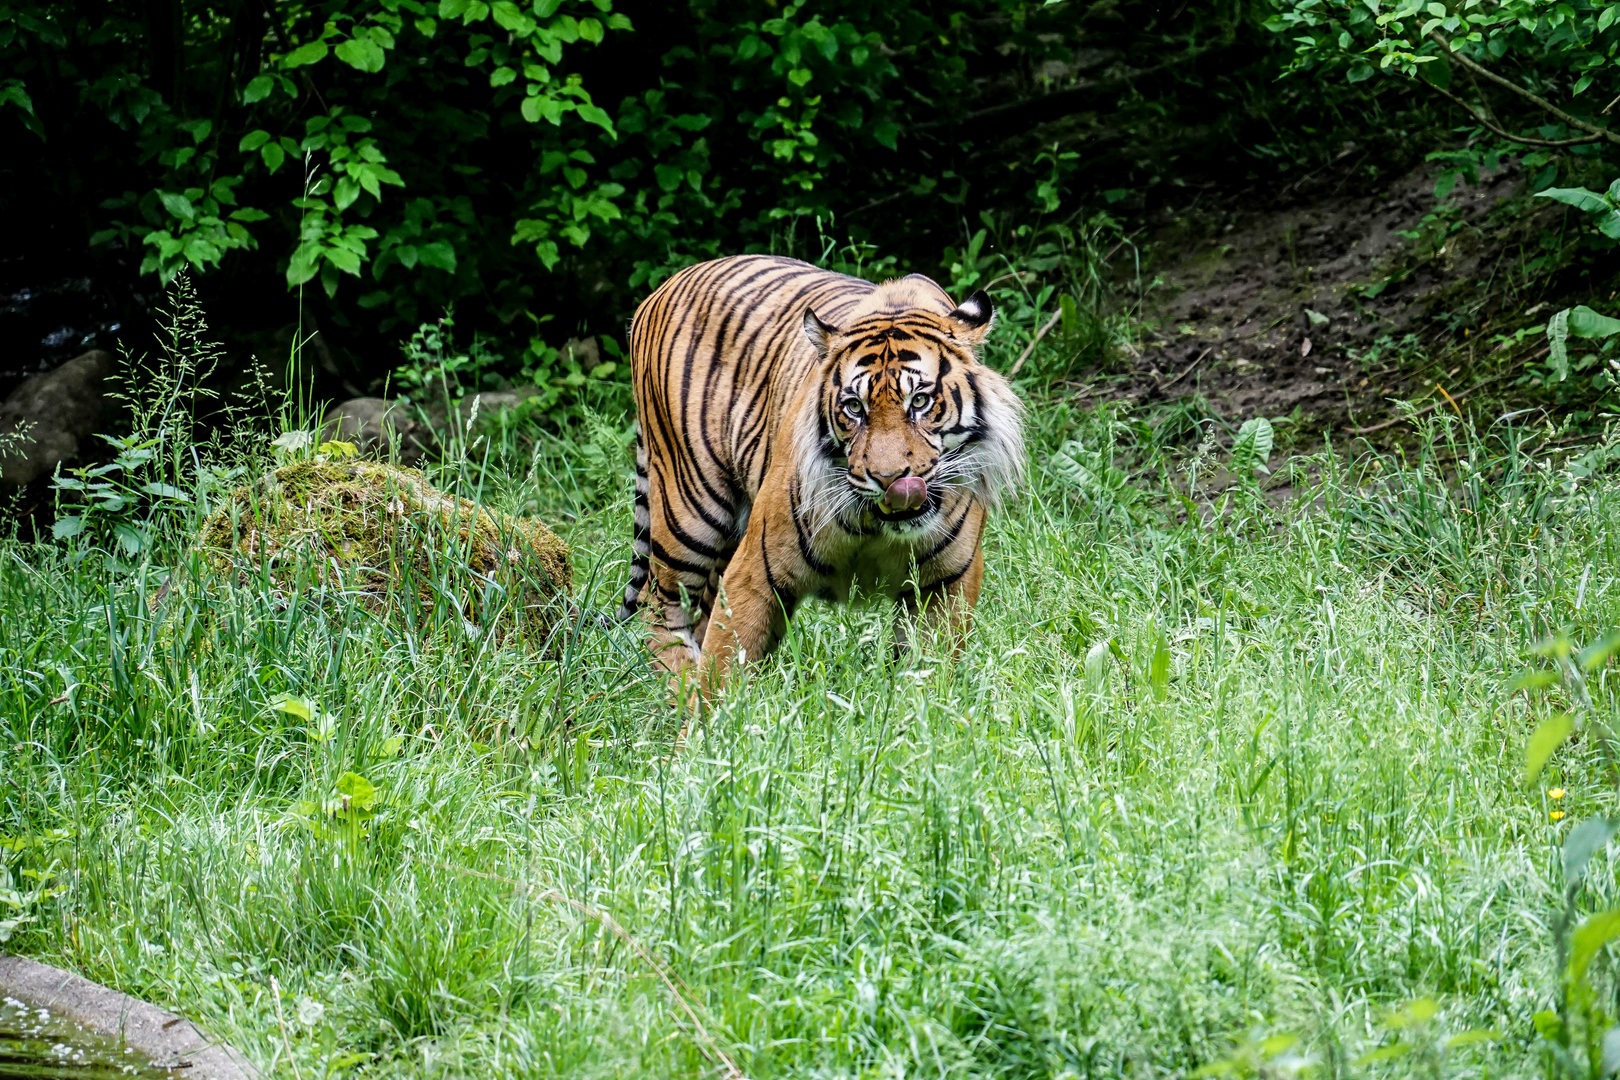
(803, 433)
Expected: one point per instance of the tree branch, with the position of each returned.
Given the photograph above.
(1541, 102)
(1525, 139)
(1027, 112)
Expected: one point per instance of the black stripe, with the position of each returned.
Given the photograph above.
(809, 556)
(952, 533)
(946, 582)
(680, 566)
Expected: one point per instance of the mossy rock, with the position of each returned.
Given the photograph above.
(387, 536)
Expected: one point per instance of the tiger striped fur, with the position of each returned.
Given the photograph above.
(803, 433)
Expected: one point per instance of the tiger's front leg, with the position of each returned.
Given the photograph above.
(944, 606)
(757, 595)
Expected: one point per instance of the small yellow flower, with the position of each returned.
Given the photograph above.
(1556, 793)
(1556, 815)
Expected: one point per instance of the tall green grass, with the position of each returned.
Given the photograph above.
(1217, 788)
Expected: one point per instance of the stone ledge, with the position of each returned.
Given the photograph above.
(161, 1035)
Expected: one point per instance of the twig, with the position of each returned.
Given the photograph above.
(1189, 370)
(1611, 105)
(1448, 397)
(1525, 139)
(1508, 84)
(611, 925)
(1036, 340)
(281, 1018)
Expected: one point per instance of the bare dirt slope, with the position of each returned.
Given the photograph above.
(1265, 309)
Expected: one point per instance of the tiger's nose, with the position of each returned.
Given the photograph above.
(906, 493)
(884, 479)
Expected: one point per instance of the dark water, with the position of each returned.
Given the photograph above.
(34, 1045)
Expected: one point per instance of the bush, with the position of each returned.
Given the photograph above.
(541, 166)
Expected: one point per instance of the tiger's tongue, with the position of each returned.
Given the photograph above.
(906, 493)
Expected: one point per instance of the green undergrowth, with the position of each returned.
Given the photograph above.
(1227, 793)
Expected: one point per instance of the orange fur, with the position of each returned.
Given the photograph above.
(778, 405)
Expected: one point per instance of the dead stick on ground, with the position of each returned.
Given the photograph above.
(611, 925)
(1036, 340)
(281, 1018)
(1189, 370)
(1427, 409)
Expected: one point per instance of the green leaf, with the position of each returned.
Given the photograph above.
(591, 114)
(1586, 323)
(293, 706)
(363, 54)
(312, 53)
(1251, 450)
(1587, 939)
(164, 491)
(305, 263)
(344, 259)
(1558, 345)
(439, 255)
(273, 156)
(508, 16)
(345, 193)
(249, 214)
(1159, 667)
(68, 527)
(1580, 198)
(361, 793)
(252, 141)
(258, 89)
(1546, 740)
(1436, 74)
(177, 204)
(1584, 841)
(502, 75)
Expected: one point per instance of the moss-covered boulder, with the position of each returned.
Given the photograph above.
(385, 535)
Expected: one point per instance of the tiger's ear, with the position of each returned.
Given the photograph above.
(819, 333)
(973, 319)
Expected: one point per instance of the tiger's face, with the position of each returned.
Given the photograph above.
(908, 411)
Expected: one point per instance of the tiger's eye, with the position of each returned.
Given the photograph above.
(921, 400)
(855, 407)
